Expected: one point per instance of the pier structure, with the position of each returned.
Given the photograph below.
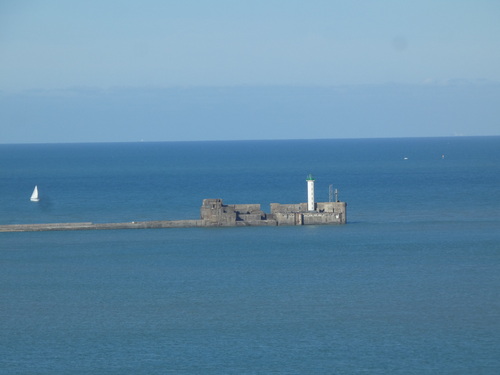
(214, 213)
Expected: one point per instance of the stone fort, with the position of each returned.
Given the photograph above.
(215, 213)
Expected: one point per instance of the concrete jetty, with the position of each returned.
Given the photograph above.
(214, 213)
(97, 226)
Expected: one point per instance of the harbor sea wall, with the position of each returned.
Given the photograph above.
(298, 214)
(214, 213)
(130, 225)
(96, 226)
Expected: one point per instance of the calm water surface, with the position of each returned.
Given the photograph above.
(410, 286)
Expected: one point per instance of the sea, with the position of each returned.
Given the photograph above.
(410, 285)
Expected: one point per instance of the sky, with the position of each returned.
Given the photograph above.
(122, 70)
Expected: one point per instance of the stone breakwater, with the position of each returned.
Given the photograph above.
(98, 226)
(214, 213)
(158, 224)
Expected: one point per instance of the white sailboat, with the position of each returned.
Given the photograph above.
(34, 196)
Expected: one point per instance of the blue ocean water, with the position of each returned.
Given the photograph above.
(411, 285)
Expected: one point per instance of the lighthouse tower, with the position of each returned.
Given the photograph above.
(310, 192)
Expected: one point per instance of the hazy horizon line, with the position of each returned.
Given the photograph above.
(256, 140)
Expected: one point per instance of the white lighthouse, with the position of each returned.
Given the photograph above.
(310, 192)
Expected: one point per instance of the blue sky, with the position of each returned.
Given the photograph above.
(220, 69)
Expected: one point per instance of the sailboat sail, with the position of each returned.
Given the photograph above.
(34, 196)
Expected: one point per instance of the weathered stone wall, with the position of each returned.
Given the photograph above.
(288, 208)
(285, 218)
(330, 206)
(259, 223)
(251, 217)
(213, 212)
(289, 218)
(316, 218)
(325, 213)
(245, 208)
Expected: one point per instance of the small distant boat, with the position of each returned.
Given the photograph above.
(34, 196)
